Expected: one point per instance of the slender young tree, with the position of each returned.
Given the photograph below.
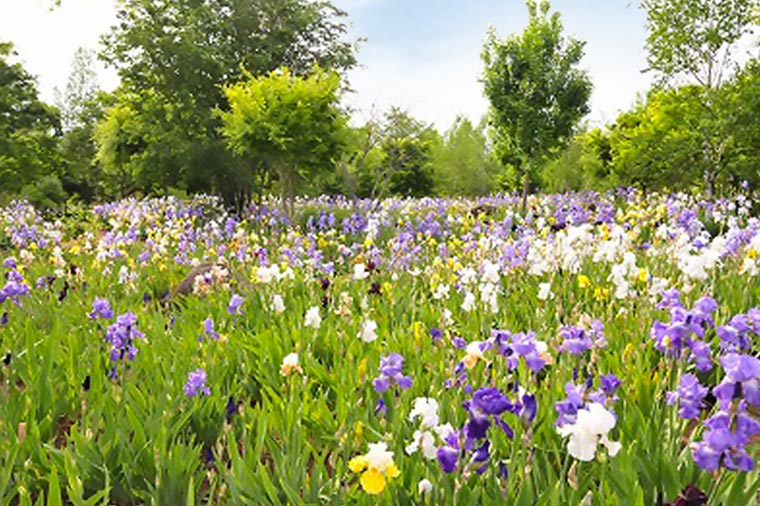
(537, 92)
(81, 89)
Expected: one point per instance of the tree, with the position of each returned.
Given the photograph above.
(82, 106)
(742, 96)
(120, 140)
(536, 90)
(403, 163)
(694, 40)
(657, 144)
(464, 163)
(361, 157)
(584, 164)
(81, 89)
(290, 124)
(183, 52)
(29, 128)
(137, 145)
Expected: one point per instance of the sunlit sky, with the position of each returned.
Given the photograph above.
(420, 55)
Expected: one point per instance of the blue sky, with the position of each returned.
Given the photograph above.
(424, 55)
(421, 55)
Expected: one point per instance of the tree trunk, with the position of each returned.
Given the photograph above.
(287, 181)
(525, 189)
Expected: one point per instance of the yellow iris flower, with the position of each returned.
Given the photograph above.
(376, 467)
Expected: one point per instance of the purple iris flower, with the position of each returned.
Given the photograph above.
(490, 401)
(101, 308)
(121, 335)
(567, 409)
(208, 329)
(725, 440)
(390, 373)
(706, 305)
(690, 394)
(481, 455)
(44, 281)
(735, 334)
(503, 471)
(231, 409)
(381, 408)
(196, 384)
(448, 454)
(528, 409)
(575, 340)
(208, 456)
(609, 383)
(742, 379)
(13, 290)
(522, 344)
(14, 275)
(701, 355)
(487, 403)
(234, 306)
(597, 334)
(685, 331)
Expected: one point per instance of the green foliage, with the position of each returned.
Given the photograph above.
(81, 90)
(119, 138)
(186, 49)
(743, 99)
(183, 53)
(82, 106)
(45, 193)
(536, 91)
(291, 125)
(662, 142)
(29, 128)
(408, 162)
(696, 129)
(658, 144)
(360, 153)
(405, 154)
(70, 434)
(464, 164)
(585, 164)
(695, 39)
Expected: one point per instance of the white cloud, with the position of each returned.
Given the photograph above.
(46, 39)
(435, 90)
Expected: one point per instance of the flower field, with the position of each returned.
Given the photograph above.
(598, 349)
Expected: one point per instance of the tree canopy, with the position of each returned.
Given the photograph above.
(693, 40)
(290, 123)
(536, 90)
(222, 97)
(28, 127)
(181, 54)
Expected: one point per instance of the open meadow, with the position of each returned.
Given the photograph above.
(599, 349)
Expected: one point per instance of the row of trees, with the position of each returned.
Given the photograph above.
(241, 97)
(234, 98)
(669, 140)
(698, 126)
